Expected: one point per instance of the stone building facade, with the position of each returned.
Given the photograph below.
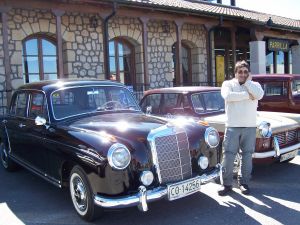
(168, 46)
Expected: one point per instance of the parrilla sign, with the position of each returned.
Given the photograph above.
(278, 45)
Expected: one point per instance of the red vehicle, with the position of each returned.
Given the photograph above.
(277, 136)
(282, 92)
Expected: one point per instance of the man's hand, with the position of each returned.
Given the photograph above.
(249, 77)
(251, 96)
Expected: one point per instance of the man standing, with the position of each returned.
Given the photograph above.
(241, 96)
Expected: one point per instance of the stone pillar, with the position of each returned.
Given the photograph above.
(8, 88)
(144, 21)
(179, 75)
(58, 14)
(233, 45)
(296, 59)
(258, 57)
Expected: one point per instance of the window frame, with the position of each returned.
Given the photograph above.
(189, 78)
(13, 106)
(40, 38)
(45, 103)
(284, 85)
(131, 80)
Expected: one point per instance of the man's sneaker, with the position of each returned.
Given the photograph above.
(225, 190)
(244, 189)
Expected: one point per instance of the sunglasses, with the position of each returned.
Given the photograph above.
(243, 72)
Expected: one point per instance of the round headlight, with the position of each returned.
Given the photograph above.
(212, 137)
(118, 156)
(265, 129)
(203, 162)
(147, 178)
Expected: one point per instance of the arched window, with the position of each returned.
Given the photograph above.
(39, 59)
(186, 63)
(121, 61)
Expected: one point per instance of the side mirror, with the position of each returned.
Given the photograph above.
(149, 110)
(39, 121)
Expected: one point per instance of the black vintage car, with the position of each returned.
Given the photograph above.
(92, 137)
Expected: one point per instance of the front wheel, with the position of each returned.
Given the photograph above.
(6, 161)
(82, 196)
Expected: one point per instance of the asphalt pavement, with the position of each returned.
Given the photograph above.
(275, 199)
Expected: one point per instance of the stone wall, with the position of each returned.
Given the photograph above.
(82, 46)
(21, 24)
(161, 66)
(3, 100)
(2, 69)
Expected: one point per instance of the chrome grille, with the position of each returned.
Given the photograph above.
(173, 156)
(287, 137)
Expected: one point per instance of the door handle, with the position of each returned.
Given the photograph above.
(22, 125)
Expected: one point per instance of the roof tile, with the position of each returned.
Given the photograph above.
(201, 6)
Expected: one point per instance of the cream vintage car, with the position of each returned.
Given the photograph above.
(278, 134)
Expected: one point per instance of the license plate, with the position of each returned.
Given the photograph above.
(288, 155)
(184, 188)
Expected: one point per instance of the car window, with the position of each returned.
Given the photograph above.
(19, 107)
(213, 101)
(38, 106)
(152, 100)
(197, 102)
(80, 100)
(296, 87)
(275, 88)
(170, 102)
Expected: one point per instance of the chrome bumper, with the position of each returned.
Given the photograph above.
(144, 196)
(276, 152)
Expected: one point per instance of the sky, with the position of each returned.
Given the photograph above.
(286, 8)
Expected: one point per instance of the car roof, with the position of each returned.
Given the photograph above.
(50, 85)
(186, 89)
(276, 76)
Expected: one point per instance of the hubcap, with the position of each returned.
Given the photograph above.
(4, 156)
(78, 194)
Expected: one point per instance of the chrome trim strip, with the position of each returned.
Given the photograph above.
(45, 176)
(276, 146)
(142, 198)
(262, 155)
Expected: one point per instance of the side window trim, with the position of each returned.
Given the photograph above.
(269, 85)
(15, 104)
(44, 104)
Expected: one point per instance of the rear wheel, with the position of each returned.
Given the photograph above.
(82, 196)
(6, 161)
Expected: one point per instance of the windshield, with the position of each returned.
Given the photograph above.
(206, 102)
(81, 100)
(296, 87)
